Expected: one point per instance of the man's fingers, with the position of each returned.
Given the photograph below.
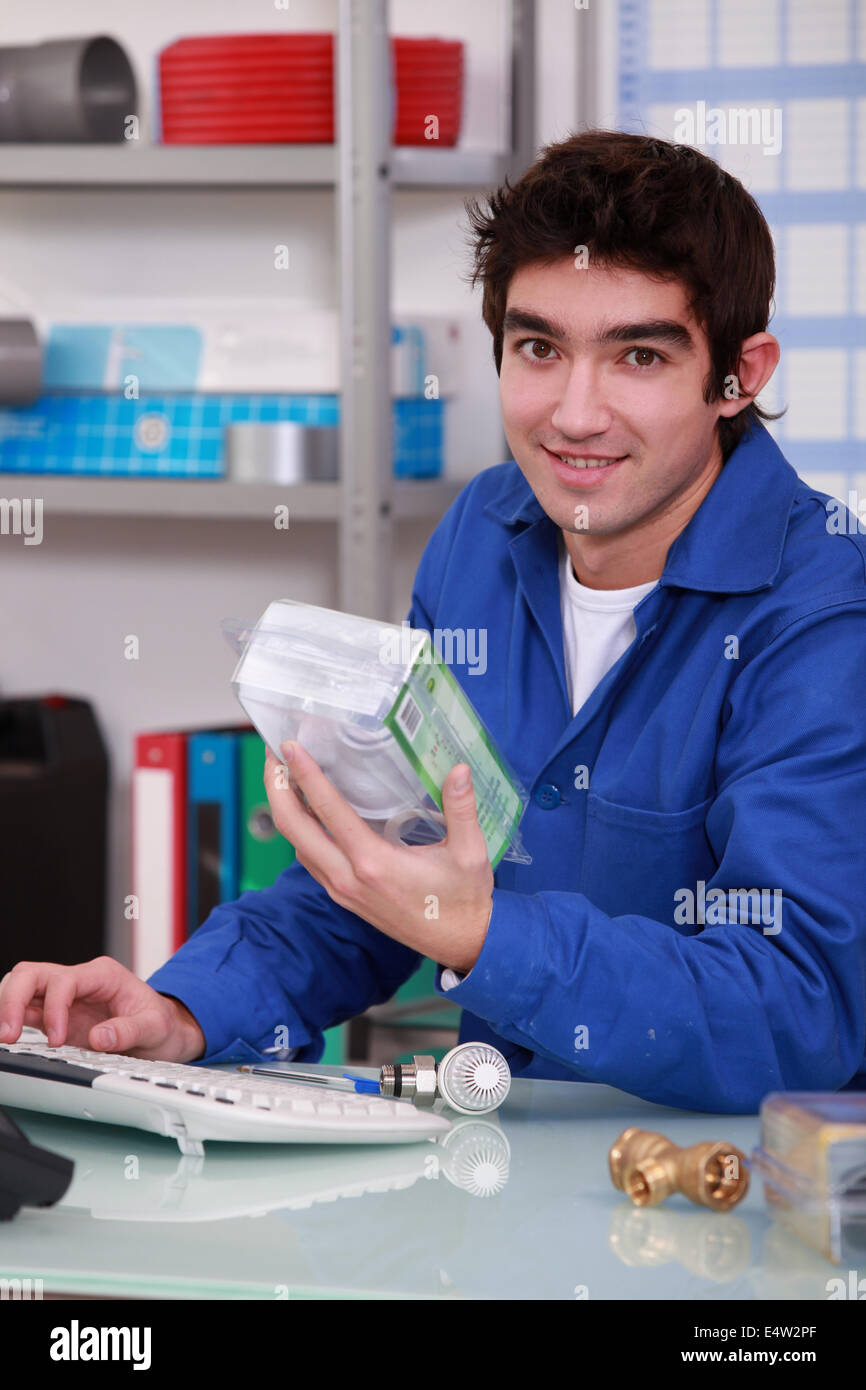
(32, 987)
(312, 844)
(32, 1019)
(59, 994)
(52, 996)
(348, 830)
(16, 992)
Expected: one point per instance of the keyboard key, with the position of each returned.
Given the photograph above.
(302, 1106)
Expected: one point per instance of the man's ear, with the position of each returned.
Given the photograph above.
(759, 357)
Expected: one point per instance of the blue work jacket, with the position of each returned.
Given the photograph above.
(724, 750)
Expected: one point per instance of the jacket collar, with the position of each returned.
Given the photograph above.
(734, 541)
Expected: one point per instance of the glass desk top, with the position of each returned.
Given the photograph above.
(517, 1204)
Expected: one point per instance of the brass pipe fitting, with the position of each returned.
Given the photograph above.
(649, 1167)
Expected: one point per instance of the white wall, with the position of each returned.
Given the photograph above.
(68, 604)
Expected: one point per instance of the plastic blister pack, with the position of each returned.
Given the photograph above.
(382, 715)
(812, 1158)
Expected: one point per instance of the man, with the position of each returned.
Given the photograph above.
(676, 654)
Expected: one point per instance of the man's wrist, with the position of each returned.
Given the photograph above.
(192, 1039)
(467, 961)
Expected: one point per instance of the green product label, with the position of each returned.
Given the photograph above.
(434, 742)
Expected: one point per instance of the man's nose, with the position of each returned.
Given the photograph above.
(582, 411)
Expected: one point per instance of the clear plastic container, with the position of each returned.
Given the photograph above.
(382, 715)
(812, 1159)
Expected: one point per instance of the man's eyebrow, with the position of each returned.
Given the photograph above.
(659, 330)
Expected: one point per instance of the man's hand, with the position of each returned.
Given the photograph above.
(436, 899)
(76, 1004)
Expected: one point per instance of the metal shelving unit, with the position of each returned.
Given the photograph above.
(362, 168)
(135, 165)
(211, 499)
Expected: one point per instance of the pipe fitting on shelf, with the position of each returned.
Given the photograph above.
(649, 1167)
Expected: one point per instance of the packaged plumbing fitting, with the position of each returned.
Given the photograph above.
(812, 1158)
(382, 715)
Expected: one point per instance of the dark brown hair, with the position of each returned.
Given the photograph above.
(643, 204)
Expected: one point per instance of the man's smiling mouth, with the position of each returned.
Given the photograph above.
(584, 461)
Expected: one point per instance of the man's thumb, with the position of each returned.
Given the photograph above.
(122, 1034)
(459, 793)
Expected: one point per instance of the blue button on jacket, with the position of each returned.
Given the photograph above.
(692, 927)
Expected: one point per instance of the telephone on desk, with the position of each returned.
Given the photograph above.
(29, 1176)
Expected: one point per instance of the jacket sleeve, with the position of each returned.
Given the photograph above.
(714, 1020)
(288, 955)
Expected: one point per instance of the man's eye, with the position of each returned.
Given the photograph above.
(536, 342)
(644, 350)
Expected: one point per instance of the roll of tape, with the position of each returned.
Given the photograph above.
(280, 452)
(20, 362)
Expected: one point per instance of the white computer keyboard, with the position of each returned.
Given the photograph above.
(193, 1103)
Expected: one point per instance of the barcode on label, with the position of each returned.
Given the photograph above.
(409, 717)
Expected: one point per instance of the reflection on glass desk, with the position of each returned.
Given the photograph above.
(515, 1204)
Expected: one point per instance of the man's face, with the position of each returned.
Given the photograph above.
(638, 397)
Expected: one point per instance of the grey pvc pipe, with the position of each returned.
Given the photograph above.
(66, 91)
(20, 362)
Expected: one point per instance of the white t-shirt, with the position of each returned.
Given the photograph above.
(597, 627)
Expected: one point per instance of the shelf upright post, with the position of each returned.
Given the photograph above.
(363, 134)
(588, 45)
(523, 150)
